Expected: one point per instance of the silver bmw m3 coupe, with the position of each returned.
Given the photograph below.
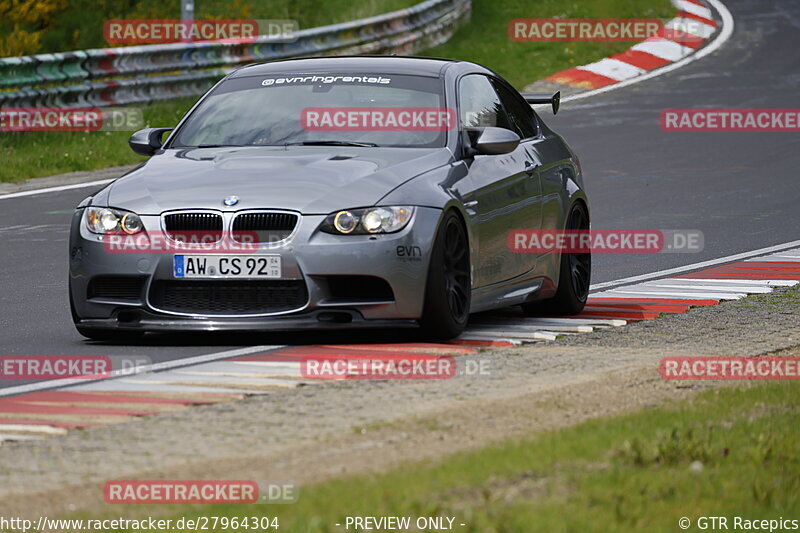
(326, 193)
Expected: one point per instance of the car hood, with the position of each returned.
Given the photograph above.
(312, 180)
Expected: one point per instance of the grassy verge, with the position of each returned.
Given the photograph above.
(32, 154)
(484, 40)
(729, 452)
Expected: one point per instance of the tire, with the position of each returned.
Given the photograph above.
(574, 278)
(449, 287)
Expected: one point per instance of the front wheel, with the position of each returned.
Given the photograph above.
(574, 275)
(449, 289)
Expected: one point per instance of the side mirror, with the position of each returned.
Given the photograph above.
(147, 141)
(496, 141)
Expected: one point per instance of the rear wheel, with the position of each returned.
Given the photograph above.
(574, 277)
(448, 289)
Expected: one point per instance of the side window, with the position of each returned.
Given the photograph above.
(519, 111)
(479, 104)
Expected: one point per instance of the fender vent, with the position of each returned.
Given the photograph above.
(128, 288)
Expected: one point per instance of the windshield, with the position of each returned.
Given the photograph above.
(351, 109)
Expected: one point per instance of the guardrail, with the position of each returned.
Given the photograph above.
(132, 74)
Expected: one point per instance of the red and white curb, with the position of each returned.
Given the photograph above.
(259, 370)
(654, 53)
(224, 377)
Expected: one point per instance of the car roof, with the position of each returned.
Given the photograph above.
(420, 66)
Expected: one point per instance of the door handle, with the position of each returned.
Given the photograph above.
(530, 168)
(470, 207)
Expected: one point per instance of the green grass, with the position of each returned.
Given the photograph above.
(484, 40)
(626, 473)
(33, 154)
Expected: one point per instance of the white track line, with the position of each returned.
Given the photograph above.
(668, 294)
(232, 368)
(11, 437)
(120, 386)
(544, 320)
(516, 342)
(776, 259)
(703, 287)
(742, 282)
(287, 367)
(507, 333)
(56, 189)
(193, 380)
(522, 323)
(34, 428)
(580, 321)
(695, 266)
(243, 375)
(155, 367)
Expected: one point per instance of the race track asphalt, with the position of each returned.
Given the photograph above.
(740, 189)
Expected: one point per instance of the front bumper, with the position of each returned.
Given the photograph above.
(309, 257)
(315, 320)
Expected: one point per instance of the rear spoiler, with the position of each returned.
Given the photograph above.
(554, 99)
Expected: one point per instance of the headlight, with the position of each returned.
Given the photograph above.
(106, 220)
(368, 221)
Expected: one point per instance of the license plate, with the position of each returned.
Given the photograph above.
(227, 266)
